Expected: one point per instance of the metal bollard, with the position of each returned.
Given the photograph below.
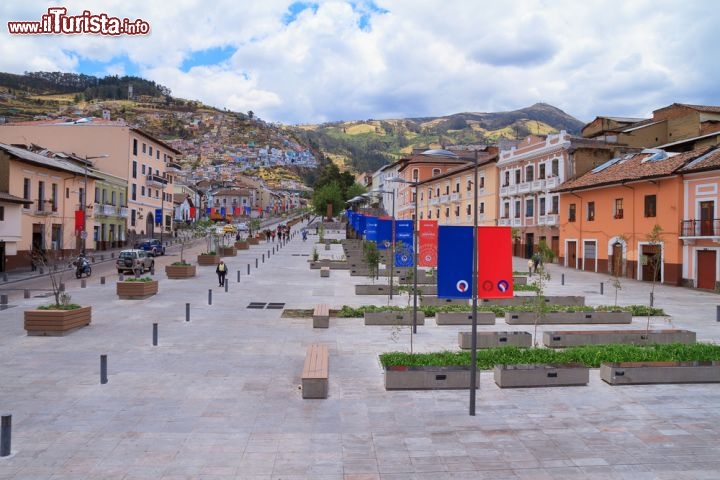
(121, 277)
(268, 254)
(187, 312)
(155, 334)
(210, 296)
(256, 263)
(5, 277)
(248, 269)
(103, 369)
(238, 276)
(263, 257)
(717, 313)
(26, 293)
(5, 435)
(226, 286)
(3, 299)
(652, 299)
(102, 280)
(562, 279)
(602, 288)
(62, 287)
(83, 283)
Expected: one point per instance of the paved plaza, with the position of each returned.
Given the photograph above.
(218, 397)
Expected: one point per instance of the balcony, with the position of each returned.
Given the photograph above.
(434, 201)
(44, 207)
(551, 182)
(455, 197)
(537, 185)
(524, 187)
(124, 212)
(548, 219)
(512, 190)
(172, 167)
(503, 192)
(691, 230)
(156, 181)
(504, 222)
(618, 215)
(444, 199)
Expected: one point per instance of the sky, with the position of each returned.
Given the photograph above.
(330, 60)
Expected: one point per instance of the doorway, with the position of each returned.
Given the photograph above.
(571, 257)
(651, 260)
(707, 215)
(589, 255)
(706, 269)
(529, 244)
(617, 260)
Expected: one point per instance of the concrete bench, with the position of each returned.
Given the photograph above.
(315, 372)
(324, 271)
(639, 373)
(321, 316)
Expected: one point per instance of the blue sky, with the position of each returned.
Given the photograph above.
(309, 62)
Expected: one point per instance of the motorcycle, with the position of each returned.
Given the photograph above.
(82, 267)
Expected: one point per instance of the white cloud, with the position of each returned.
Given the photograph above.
(399, 58)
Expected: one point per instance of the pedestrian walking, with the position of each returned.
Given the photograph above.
(221, 271)
(530, 267)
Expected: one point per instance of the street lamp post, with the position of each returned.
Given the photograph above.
(83, 234)
(415, 246)
(473, 334)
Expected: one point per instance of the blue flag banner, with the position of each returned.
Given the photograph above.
(353, 220)
(223, 211)
(404, 243)
(454, 267)
(158, 216)
(384, 234)
(208, 211)
(371, 228)
(361, 224)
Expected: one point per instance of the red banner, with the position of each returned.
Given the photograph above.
(192, 212)
(428, 243)
(495, 278)
(79, 220)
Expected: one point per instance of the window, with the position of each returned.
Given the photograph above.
(542, 205)
(517, 176)
(469, 185)
(2, 213)
(507, 179)
(429, 214)
(143, 169)
(41, 196)
(436, 171)
(529, 207)
(571, 212)
(650, 205)
(150, 150)
(529, 173)
(541, 171)
(133, 193)
(457, 211)
(157, 156)
(437, 192)
(437, 213)
(122, 199)
(113, 198)
(429, 193)
(81, 197)
(517, 208)
(134, 169)
(506, 210)
(135, 149)
(555, 167)
(415, 174)
(142, 190)
(26, 190)
(482, 207)
(447, 212)
(591, 211)
(67, 192)
(132, 217)
(457, 187)
(144, 148)
(54, 196)
(555, 205)
(97, 195)
(618, 208)
(447, 189)
(482, 182)
(468, 209)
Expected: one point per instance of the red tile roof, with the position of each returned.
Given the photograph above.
(633, 167)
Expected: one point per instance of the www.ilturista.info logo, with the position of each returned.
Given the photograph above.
(57, 21)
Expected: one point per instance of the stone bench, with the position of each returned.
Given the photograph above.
(568, 318)
(464, 318)
(639, 373)
(572, 338)
(321, 316)
(513, 376)
(324, 271)
(315, 372)
(494, 339)
(393, 318)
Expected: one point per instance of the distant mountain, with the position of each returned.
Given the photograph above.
(367, 145)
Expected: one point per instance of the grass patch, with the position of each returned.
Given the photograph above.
(499, 311)
(142, 279)
(589, 355)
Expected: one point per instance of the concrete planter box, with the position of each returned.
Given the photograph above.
(572, 338)
(568, 318)
(242, 245)
(180, 271)
(253, 241)
(513, 376)
(333, 264)
(136, 290)
(495, 339)
(428, 378)
(464, 318)
(56, 323)
(565, 300)
(227, 251)
(206, 259)
(393, 318)
(423, 278)
(638, 373)
(436, 302)
(379, 289)
(518, 280)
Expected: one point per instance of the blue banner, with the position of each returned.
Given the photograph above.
(404, 251)
(371, 228)
(222, 211)
(454, 268)
(384, 234)
(361, 224)
(158, 216)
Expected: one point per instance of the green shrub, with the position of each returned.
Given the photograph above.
(62, 306)
(181, 263)
(589, 355)
(141, 279)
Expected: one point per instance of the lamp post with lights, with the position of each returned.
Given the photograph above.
(83, 234)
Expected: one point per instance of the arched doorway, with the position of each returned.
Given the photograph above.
(149, 226)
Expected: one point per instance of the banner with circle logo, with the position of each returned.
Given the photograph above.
(454, 263)
(428, 243)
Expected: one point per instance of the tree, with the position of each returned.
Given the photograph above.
(654, 238)
(327, 194)
(354, 190)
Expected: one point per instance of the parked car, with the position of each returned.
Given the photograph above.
(152, 246)
(135, 261)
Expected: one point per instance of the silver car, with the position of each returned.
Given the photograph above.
(135, 261)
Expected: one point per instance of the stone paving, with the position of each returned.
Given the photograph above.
(219, 397)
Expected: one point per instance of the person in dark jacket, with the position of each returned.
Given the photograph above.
(221, 271)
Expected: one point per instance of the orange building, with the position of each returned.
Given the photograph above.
(608, 215)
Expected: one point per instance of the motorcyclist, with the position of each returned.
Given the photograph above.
(82, 264)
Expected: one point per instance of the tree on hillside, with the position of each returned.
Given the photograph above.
(328, 194)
